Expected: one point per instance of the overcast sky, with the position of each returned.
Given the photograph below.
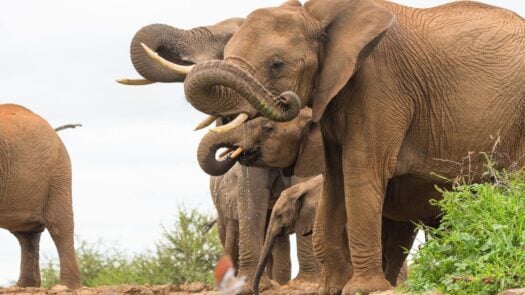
(134, 159)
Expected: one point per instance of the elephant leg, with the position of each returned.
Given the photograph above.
(59, 222)
(397, 237)
(252, 205)
(328, 240)
(29, 267)
(308, 267)
(231, 242)
(282, 264)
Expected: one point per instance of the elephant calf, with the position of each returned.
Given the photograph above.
(35, 192)
(294, 212)
(242, 199)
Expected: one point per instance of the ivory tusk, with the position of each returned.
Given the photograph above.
(228, 150)
(178, 69)
(236, 153)
(126, 81)
(241, 118)
(206, 122)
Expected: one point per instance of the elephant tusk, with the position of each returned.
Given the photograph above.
(237, 153)
(227, 151)
(205, 123)
(241, 118)
(178, 69)
(126, 81)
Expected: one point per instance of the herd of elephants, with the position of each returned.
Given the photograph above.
(333, 118)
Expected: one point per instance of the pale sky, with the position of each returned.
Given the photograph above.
(134, 159)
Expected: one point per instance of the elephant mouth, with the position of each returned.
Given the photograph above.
(250, 157)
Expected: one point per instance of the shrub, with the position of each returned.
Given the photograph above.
(480, 246)
(184, 254)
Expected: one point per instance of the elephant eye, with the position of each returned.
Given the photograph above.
(276, 68)
(267, 127)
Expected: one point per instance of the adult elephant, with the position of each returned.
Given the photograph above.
(295, 146)
(250, 192)
(398, 92)
(35, 192)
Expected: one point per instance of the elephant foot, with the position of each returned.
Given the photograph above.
(366, 285)
(264, 284)
(332, 282)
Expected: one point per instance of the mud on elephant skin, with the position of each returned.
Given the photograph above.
(243, 198)
(35, 192)
(394, 90)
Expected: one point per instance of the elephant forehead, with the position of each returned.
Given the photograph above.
(276, 19)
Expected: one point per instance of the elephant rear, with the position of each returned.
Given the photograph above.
(35, 191)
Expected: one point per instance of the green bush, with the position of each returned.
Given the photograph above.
(184, 254)
(480, 246)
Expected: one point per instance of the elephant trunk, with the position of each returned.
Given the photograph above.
(168, 42)
(263, 260)
(218, 87)
(207, 150)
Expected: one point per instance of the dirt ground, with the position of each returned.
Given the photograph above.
(194, 288)
(189, 289)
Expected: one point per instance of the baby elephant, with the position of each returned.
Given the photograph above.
(294, 211)
(35, 192)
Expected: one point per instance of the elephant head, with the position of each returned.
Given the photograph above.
(294, 211)
(283, 58)
(265, 143)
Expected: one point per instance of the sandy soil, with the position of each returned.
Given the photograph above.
(194, 288)
(189, 289)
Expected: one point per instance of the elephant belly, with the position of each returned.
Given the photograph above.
(26, 220)
(408, 199)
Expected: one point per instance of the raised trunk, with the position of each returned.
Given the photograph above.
(169, 42)
(219, 87)
(206, 153)
(263, 259)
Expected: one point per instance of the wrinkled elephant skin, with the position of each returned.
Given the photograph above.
(35, 192)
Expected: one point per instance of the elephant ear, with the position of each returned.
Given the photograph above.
(352, 28)
(310, 161)
(305, 220)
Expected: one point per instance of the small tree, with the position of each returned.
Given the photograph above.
(185, 253)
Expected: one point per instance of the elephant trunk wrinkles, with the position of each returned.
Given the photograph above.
(207, 150)
(263, 260)
(168, 42)
(209, 86)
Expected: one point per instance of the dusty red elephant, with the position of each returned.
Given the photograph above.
(35, 192)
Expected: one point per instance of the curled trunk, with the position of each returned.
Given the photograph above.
(263, 260)
(206, 153)
(182, 47)
(165, 40)
(219, 87)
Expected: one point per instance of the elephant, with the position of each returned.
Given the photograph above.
(280, 144)
(260, 188)
(294, 212)
(397, 93)
(35, 192)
